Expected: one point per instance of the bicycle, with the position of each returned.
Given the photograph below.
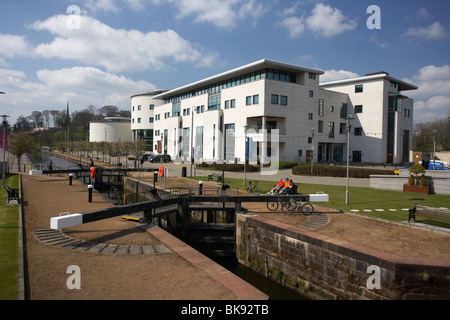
(253, 187)
(273, 205)
(304, 207)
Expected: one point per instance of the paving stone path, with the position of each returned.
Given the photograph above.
(58, 238)
(315, 221)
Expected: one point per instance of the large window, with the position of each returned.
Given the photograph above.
(214, 102)
(229, 142)
(283, 100)
(320, 107)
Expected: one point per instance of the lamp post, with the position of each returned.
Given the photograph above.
(434, 135)
(349, 127)
(4, 149)
(312, 149)
(192, 137)
(246, 126)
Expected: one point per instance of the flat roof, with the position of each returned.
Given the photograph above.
(251, 67)
(151, 93)
(402, 85)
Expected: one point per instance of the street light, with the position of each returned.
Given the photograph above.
(4, 148)
(246, 126)
(434, 134)
(349, 127)
(312, 149)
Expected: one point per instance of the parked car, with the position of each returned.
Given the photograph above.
(160, 158)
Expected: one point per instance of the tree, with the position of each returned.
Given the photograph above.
(109, 111)
(19, 144)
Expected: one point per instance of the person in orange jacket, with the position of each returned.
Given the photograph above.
(279, 185)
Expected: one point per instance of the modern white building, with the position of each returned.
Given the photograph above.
(283, 111)
(111, 129)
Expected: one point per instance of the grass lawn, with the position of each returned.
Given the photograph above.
(365, 199)
(9, 223)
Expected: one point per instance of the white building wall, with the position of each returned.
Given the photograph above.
(109, 132)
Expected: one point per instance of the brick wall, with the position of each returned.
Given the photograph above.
(327, 268)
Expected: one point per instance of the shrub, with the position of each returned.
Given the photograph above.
(411, 180)
(230, 167)
(423, 181)
(337, 171)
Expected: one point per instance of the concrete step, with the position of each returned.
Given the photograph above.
(58, 238)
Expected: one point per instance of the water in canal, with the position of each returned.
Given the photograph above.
(274, 290)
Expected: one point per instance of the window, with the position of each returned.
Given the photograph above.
(331, 129)
(331, 108)
(151, 120)
(139, 120)
(358, 109)
(343, 111)
(312, 76)
(283, 100)
(152, 107)
(139, 108)
(311, 93)
(310, 116)
(274, 99)
(227, 104)
(320, 126)
(358, 131)
(256, 99)
(248, 101)
(233, 103)
(320, 107)
(358, 88)
(157, 117)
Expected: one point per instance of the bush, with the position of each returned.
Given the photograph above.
(411, 180)
(423, 181)
(230, 167)
(337, 171)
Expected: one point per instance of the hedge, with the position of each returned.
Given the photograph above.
(338, 171)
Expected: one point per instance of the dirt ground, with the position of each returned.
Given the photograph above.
(168, 276)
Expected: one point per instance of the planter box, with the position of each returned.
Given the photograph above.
(416, 189)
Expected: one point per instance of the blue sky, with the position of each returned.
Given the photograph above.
(101, 52)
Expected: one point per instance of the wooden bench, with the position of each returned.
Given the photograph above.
(13, 194)
(429, 212)
(215, 177)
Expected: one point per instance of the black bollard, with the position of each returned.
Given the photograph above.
(90, 188)
(200, 188)
(70, 179)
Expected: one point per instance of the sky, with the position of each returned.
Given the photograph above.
(86, 52)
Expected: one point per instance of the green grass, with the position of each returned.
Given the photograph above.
(9, 231)
(364, 199)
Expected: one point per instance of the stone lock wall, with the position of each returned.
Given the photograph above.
(322, 267)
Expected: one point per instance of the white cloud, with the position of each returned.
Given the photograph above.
(97, 44)
(432, 98)
(334, 75)
(221, 13)
(434, 31)
(11, 46)
(102, 5)
(323, 21)
(81, 86)
(329, 22)
(294, 25)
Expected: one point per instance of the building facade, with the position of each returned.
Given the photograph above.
(111, 129)
(269, 111)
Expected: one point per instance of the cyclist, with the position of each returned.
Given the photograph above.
(279, 185)
(285, 188)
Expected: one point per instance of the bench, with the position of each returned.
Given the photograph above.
(215, 177)
(13, 194)
(429, 212)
